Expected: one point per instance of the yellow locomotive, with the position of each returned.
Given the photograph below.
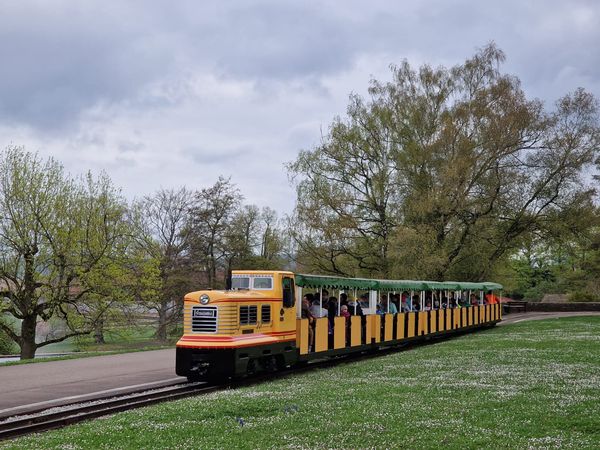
(261, 324)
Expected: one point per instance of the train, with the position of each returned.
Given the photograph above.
(258, 324)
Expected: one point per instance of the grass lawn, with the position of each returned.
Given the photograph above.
(527, 385)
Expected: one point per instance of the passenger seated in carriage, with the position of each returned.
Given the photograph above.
(474, 301)
(452, 303)
(346, 314)
(416, 303)
(306, 314)
(444, 303)
(364, 301)
(388, 305)
(332, 308)
(316, 309)
(405, 304)
(343, 299)
(397, 302)
(354, 308)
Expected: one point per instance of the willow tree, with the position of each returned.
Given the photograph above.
(441, 172)
(57, 236)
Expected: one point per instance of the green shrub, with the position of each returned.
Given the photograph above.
(582, 296)
(7, 345)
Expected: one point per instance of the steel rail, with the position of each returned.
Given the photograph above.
(32, 422)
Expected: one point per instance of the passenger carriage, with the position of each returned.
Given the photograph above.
(257, 325)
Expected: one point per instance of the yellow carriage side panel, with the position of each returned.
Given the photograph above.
(475, 314)
(411, 324)
(441, 320)
(388, 333)
(321, 327)
(375, 331)
(463, 317)
(355, 330)
(339, 332)
(448, 320)
(302, 335)
(400, 321)
(499, 311)
(492, 313)
(456, 323)
(422, 322)
(433, 321)
(368, 330)
(483, 317)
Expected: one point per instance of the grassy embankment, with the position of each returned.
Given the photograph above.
(527, 385)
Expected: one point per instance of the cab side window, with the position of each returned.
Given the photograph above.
(289, 299)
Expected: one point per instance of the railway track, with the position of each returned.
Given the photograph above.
(61, 416)
(58, 417)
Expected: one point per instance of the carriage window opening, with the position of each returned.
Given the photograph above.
(240, 282)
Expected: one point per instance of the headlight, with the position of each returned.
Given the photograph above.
(204, 299)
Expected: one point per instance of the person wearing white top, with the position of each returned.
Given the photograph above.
(317, 311)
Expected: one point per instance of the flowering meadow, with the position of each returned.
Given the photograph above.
(526, 385)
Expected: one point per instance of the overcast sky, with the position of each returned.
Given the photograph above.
(164, 93)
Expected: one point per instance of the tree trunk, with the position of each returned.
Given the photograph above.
(161, 332)
(27, 344)
(99, 332)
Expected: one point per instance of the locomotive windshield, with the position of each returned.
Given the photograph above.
(240, 283)
(263, 283)
(259, 282)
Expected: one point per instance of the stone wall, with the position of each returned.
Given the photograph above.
(567, 306)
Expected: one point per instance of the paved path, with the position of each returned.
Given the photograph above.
(520, 317)
(52, 382)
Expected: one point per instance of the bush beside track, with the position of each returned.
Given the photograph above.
(526, 385)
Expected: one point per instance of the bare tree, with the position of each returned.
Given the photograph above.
(211, 215)
(161, 220)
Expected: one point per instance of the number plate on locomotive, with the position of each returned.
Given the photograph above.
(203, 313)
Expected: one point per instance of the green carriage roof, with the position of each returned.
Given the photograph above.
(324, 281)
(401, 285)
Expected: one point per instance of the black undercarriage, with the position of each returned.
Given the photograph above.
(199, 364)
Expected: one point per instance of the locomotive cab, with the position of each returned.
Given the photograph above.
(248, 328)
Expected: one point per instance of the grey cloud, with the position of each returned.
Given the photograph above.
(205, 156)
(59, 61)
(63, 58)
